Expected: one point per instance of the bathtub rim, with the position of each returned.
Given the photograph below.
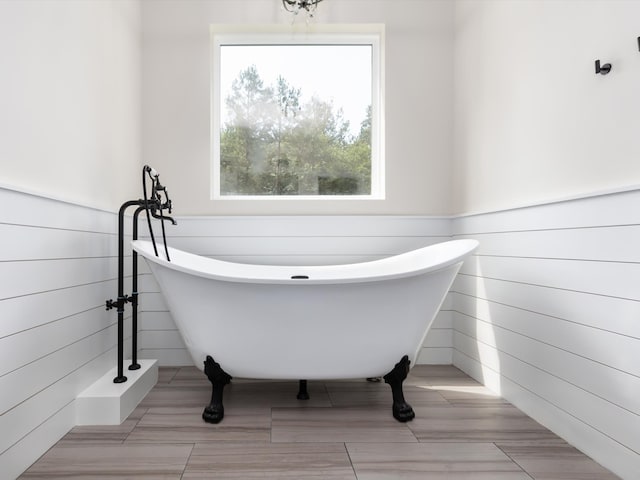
(415, 262)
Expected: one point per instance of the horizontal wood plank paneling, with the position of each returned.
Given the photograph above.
(552, 417)
(290, 240)
(294, 250)
(159, 339)
(38, 384)
(30, 311)
(23, 242)
(606, 313)
(590, 211)
(435, 356)
(167, 356)
(20, 456)
(35, 343)
(547, 313)
(38, 211)
(565, 244)
(613, 279)
(607, 348)
(588, 388)
(311, 226)
(540, 406)
(57, 268)
(32, 277)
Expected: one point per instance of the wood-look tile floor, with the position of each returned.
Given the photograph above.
(344, 431)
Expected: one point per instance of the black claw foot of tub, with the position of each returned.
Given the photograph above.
(302, 390)
(214, 412)
(402, 411)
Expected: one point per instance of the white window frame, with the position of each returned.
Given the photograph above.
(360, 34)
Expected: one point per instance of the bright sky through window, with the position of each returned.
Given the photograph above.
(339, 73)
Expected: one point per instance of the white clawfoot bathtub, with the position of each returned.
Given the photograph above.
(306, 322)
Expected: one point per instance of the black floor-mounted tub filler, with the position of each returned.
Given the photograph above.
(154, 207)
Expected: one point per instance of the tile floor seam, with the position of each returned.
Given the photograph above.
(169, 381)
(353, 467)
(327, 393)
(186, 464)
(514, 461)
(126, 437)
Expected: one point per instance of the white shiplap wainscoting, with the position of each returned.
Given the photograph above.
(547, 313)
(289, 240)
(57, 267)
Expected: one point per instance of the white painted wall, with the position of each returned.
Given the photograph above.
(176, 101)
(70, 130)
(70, 98)
(533, 122)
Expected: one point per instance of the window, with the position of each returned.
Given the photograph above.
(297, 115)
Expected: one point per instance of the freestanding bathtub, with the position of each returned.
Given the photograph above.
(306, 322)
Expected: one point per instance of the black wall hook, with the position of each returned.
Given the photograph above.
(604, 69)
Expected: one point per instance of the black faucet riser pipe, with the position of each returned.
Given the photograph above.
(134, 295)
(120, 378)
